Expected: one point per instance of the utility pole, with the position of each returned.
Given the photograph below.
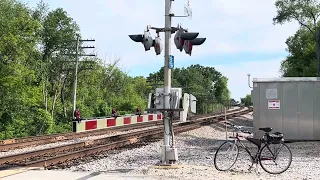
(183, 40)
(167, 79)
(75, 82)
(77, 55)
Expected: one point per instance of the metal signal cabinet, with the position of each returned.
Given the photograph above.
(193, 104)
(178, 100)
(176, 94)
(288, 105)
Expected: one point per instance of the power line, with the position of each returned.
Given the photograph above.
(77, 55)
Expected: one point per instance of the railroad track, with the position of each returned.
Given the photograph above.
(46, 139)
(10, 144)
(61, 155)
(69, 134)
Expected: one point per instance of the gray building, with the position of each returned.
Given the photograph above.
(288, 105)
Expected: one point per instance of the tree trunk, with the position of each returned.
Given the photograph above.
(62, 98)
(45, 94)
(55, 97)
(318, 50)
(54, 101)
(45, 80)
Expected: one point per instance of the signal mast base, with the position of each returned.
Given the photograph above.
(169, 155)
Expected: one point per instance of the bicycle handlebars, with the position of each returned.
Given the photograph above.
(238, 128)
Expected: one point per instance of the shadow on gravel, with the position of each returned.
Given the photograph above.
(208, 143)
(192, 140)
(118, 171)
(298, 149)
(243, 121)
(303, 154)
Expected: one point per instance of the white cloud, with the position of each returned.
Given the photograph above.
(237, 74)
(229, 26)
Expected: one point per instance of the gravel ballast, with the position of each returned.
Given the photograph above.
(196, 151)
(77, 140)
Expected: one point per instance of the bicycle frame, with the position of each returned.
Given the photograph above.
(238, 141)
(255, 158)
(263, 146)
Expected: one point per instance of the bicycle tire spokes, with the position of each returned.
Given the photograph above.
(234, 153)
(270, 158)
(277, 151)
(273, 155)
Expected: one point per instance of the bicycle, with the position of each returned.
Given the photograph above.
(263, 144)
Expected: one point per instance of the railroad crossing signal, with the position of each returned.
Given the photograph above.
(182, 39)
(157, 45)
(147, 41)
(188, 45)
(186, 40)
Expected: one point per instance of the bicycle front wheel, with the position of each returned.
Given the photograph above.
(275, 158)
(226, 156)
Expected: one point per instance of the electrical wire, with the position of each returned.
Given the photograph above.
(171, 130)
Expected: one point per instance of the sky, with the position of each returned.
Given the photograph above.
(241, 38)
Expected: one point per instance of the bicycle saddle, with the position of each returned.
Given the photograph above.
(266, 129)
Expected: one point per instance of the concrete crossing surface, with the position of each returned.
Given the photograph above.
(38, 174)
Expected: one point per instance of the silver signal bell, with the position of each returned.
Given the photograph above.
(157, 45)
(147, 41)
(187, 46)
(182, 40)
(180, 37)
(186, 40)
(178, 41)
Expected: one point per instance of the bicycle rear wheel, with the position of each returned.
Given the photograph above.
(275, 155)
(226, 156)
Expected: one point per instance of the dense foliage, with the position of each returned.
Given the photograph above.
(246, 101)
(37, 75)
(205, 83)
(304, 45)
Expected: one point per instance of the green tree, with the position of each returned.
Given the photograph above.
(301, 61)
(222, 92)
(58, 38)
(36, 77)
(246, 101)
(207, 84)
(18, 83)
(306, 13)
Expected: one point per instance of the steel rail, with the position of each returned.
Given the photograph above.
(10, 144)
(68, 136)
(107, 143)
